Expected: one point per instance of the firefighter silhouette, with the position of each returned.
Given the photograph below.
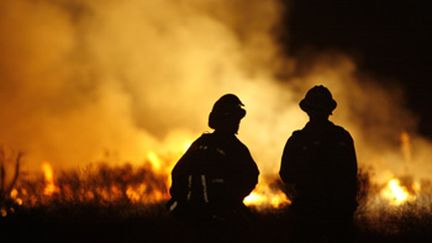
(319, 169)
(216, 173)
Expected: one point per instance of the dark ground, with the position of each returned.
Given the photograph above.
(153, 224)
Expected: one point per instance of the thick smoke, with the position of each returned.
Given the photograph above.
(82, 79)
(79, 78)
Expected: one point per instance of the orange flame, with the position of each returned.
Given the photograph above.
(264, 196)
(50, 186)
(396, 194)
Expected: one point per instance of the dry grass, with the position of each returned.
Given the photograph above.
(97, 204)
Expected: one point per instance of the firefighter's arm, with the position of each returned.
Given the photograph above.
(287, 168)
(291, 191)
(247, 176)
(353, 165)
(251, 176)
(353, 157)
(180, 170)
(350, 154)
(350, 165)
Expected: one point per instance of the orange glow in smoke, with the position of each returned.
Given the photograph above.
(154, 160)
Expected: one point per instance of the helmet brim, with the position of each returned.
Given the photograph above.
(327, 107)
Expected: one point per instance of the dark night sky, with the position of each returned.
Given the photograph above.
(388, 39)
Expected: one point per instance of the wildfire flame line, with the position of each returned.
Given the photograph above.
(150, 184)
(263, 196)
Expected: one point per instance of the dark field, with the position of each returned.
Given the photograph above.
(131, 223)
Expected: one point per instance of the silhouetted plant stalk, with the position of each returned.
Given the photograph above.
(7, 189)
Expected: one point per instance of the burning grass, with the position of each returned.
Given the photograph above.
(397, 211)
(100, 186)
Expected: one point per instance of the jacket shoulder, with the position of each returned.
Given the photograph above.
(297, 134)
(240, 144)
(205, 138)
(342, 132)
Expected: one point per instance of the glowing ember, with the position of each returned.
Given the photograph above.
(395, 193)
(14, 196)
(14, 193)
(3, 212)
(50, 186)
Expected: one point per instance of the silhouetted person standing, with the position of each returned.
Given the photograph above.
(213, 177)
(319, 167)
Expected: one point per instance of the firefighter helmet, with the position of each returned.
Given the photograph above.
(318, 99)
(227, 108)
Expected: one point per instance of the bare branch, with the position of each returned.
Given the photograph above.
(2, 178)
(17, 170)
(2, 171)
